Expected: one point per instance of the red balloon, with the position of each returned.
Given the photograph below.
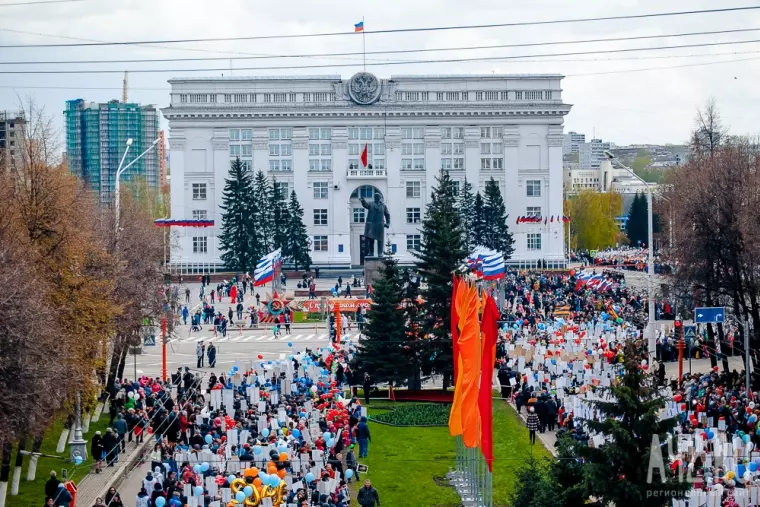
(572, 272)
(677, 398)
(260, 356)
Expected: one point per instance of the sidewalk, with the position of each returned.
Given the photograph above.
(94, 486)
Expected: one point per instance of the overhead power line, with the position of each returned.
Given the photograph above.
(387, 52)
(37, 2)
(393, 63)
(394, 30)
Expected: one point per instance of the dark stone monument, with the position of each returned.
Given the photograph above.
(378, 219)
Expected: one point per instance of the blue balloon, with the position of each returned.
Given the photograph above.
(204, 467)
(282, 448)
(198, 490)
(230, 478)
(269, 362)
(240, 497)
(310, 477)
(264, 478)
(327, 435)
(257, 450)
(274, 480)
(265, 432)
(160, 501)
(753, 467)
(290, 344)
(235, 368)
(248, 490)
(197, 469)
(330, 442)
(349, 473)
(78, 460)
(277, 362)
(710, 435)
(209, 439)
(296, 433)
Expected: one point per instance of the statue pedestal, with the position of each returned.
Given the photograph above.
(372, 269)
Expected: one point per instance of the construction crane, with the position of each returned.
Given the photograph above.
(124, 89)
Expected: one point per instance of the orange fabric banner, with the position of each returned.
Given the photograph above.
(489, 326)
(455, 415)
(470, 353)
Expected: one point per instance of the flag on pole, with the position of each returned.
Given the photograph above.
(364, 156)
(489, 327)
(359, 27)
(266, 268)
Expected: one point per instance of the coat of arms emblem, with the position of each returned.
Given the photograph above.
(364, 88)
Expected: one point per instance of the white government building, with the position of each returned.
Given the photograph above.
(308, 132)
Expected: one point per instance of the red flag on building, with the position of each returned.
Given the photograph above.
(364, 156)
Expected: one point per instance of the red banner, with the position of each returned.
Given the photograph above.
(346, 305)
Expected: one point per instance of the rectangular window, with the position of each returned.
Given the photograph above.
(533, 188)
(456, 184)
(458, 132)
(485, 132)
(534, 241)
(274, 150)
(320, 243)
(496, 131)
(274, 134)
(485, 148)
(458, 163)
(365, 133)
(234, 134)
(286, 165)
(413, 188)
(325, 134)
(200, 244)
(406, 148)
(353, 149)
(353, 163)
(245, 135)
(234, 150)
(313, 150)
(379, 133)
(326, 165)
(314, 134)
(286, 150)
(313, 164)
(320, 217)
(485, 163)
(199, 191)
(446, 163)
(286, 134)
(200, 214)
(497, 148)
(412, 215)
(406, 164)
(326, 149)
(283, 188)
(320, 190)
(245, 150)
(246, 165)
(413, 241)
(446, 149)
(418, 132)
(419, 148)
(353, 133)
(446, 133)
(497, 163)
(406, 133)
(533, 211)
(274, 165)
(458, 148)
(419, 164)
(358, 215)
(378, 163)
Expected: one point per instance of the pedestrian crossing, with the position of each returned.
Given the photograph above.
(283, 338)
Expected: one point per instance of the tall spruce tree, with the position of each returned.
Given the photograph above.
(617, 471)
(637, 227)
(478, 221)
(381, 353)
(496, 235)
(466, 205)
(442, 252)
(414, 311)
(280, 216)
(262, 197)
(297, 238)
(238, 240)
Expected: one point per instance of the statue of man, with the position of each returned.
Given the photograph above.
(378, 219)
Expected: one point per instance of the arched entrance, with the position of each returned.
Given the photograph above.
(357, 216)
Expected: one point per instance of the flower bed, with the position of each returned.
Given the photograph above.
(415, 415)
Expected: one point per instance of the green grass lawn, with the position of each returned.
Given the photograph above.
(32, 494)
(408, 465)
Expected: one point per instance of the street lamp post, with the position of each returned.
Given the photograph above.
(651, 339)
(121, 170)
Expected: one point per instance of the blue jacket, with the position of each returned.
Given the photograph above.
(362, 430)
(120, 425)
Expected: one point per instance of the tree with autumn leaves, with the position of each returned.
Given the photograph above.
(75, 293)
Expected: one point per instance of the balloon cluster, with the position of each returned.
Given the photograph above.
(256, 485)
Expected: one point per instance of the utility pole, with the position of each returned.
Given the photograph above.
(746, 354)
(681, 347)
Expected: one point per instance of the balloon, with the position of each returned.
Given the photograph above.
(198, 490)
(257, 482)
(327, 435)
(290, 344)
(710, 435)
(265, 433)
(197, 469)
(730, 475)
(257, 450)
(747, 476)
(204, 467)
(160, 501)
(310, 477)
(281, 474)
(131, 394)
(349, 473)
(284, 456)
(677, 398)
(745, 439)
(248, 490)
(264, 478)
(619, 320)
(230, 478)
(331, 442)
(753, 467)
(260, 356)
(78, 460)
(296, 433)
(240, 497)
(209, 439)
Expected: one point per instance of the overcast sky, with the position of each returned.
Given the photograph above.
(651, 106)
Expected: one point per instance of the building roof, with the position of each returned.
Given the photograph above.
(338, 77)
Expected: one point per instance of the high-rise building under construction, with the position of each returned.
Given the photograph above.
(96, 138)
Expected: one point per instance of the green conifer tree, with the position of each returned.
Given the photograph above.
(466, 205)
(280, 216)
(297, 239)
(264, 219)
(238, 239)
(496, 235)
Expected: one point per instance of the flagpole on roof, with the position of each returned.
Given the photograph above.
(364, 46)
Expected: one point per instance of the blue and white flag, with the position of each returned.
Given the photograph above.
(266, 267)
(487, 263)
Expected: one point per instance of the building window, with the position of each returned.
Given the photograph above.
(274, 165)
(485, 163)
(458, 163)
(413, 189)
(534, 241)
(200, 244)
(274, 150)
(456, 184)
(533, 211)
(412, 215)
(200, 214)
(446, 164)
(413, 242)
(533, 188)
(245, 150)
(406, 164)
(320, 243)
(283, 188)
(485, 148)
(234, 134)
(234, 150)
(199, 191)
(320, 190)
(359, 215)
(320, 217)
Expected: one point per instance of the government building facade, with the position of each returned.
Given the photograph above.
(308, 133)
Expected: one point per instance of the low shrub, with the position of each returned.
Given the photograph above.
(415, 415)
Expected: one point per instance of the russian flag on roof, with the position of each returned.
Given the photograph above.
(266, 268)
(359, 27)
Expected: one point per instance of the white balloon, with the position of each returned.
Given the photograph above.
(747, 476)
(131, 394)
